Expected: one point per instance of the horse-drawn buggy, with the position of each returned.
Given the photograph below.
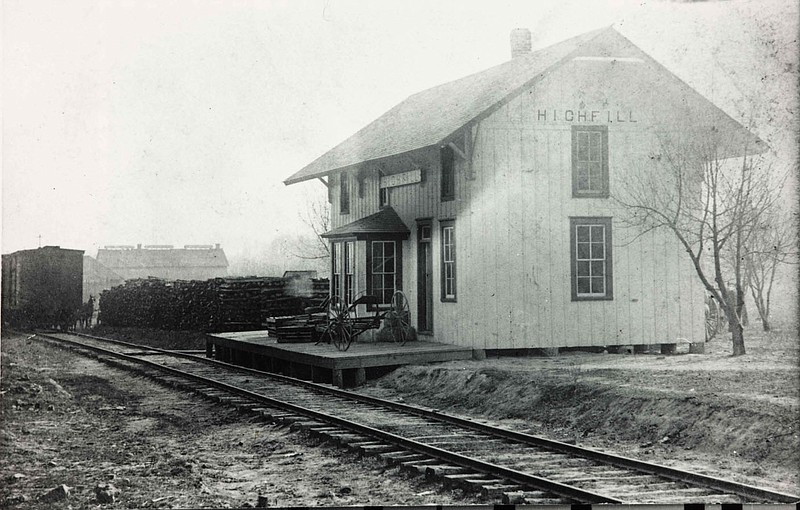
(340, 324)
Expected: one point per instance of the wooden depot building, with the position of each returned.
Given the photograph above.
(489, 201)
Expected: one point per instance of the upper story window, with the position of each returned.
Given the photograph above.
(344, 194)
(590, 161)
(448, 158)
(591, 264)
(383, 197)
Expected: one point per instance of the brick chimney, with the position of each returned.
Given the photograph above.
(520, 42)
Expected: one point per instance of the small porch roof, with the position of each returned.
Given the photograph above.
(383, 224)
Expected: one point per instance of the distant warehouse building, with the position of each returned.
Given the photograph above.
(97, 278)
(192, 262)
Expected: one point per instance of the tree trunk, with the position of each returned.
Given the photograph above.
(763, 312)
(737, 333)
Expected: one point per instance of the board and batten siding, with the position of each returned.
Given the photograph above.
(513, 233)
(412, 202)
(512, 221)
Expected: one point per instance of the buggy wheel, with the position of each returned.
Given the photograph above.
(343, 336)
(398, 318)
(333, 309)
(340, 324)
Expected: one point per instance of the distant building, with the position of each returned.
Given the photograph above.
(42, 287)
(192, 262)
(97, 278)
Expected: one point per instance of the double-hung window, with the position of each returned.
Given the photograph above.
(336, 270)
(591, 263)
(344, 193)
(448, 184)
(384, 264)
(343, 271)
(590, 161)
(448, 261)
(349, 272)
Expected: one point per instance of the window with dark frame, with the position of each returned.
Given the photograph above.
(448, 261)
(448, 158)
(590, 162)
(383, 270)
(591, 258)
(336, 271)
(384, 197)
(349, 272)
(344, 194)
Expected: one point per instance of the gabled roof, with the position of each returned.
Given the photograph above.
(430, 117)
(176, 257)
(384, 223)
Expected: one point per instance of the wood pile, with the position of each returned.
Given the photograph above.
(295, 328)
(219, 304)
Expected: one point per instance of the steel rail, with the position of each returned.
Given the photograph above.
(487, 468)
(711, 482)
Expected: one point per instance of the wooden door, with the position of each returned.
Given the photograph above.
(424, 278)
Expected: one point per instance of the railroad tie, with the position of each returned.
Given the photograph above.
(304, 425)
(418, 467)
(470, 480)
(496, 491)
(396, 458)
(346, 438)
(373, 448)
(324, 431)
(530, 497)
(433, 472)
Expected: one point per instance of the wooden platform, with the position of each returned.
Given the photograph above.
(323, 363)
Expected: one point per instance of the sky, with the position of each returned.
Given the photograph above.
(175, 122)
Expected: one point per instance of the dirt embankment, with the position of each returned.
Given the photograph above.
(731, 417)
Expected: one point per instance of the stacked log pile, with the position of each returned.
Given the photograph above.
(219, 304)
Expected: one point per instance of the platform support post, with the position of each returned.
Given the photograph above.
(361, 376)
(338, 378)
(669, 348)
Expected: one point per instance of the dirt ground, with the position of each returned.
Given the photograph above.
(732, 417)
(71, 421)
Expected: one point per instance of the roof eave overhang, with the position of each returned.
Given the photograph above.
(323, 173)
(455, 133)
(367, 236)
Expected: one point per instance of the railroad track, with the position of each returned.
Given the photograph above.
(502, 464)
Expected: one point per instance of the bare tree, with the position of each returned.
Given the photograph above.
(316, 216)
(712, 205)
(771, 244)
